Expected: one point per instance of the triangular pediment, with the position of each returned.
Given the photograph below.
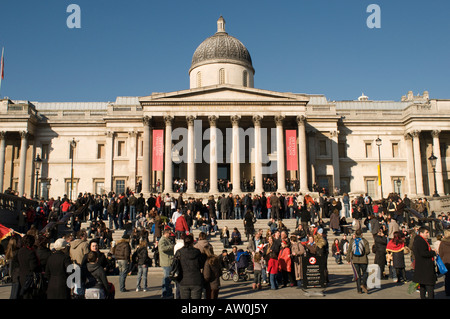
(219, 93)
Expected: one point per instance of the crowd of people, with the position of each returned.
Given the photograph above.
(274, 255)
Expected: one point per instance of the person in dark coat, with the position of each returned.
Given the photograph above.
(424, 269)
(380, 251)
(211, 274)
(28, 264)
(192, 262)
(56, 272)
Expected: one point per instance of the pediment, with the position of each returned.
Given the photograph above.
(224, 93)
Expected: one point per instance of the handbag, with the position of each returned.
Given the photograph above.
(440, 265)
(176, 273)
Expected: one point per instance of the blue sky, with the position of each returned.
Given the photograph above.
(136, 47)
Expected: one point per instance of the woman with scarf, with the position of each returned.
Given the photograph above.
(397, 248)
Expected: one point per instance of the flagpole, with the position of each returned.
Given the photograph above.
(1, 69)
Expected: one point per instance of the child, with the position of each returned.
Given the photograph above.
(272, 268)
(258, 264)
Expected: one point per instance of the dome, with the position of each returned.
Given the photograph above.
(221, 48)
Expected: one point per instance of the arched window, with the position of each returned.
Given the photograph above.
(245, 78)
(222, 76)
(199, 79)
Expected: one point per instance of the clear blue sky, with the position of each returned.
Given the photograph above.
(136, 47)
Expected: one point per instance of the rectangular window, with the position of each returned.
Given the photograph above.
(395, 152)
(99, 188)
(120, 186)
(322, 147)
(121, 148)
(371, 187)
(368, 150)
(100, 151)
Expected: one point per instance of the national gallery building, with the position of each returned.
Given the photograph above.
(222, 128)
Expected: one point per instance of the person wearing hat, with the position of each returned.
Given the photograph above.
(122, 253)
(56, 271)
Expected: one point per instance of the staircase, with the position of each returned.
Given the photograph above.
(214, 240)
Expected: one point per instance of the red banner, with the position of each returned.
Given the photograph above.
(158, 150)
(291, 150)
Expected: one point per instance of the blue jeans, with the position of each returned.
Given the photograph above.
(123, 272)
(269, 210)
(347, 210)
(166, 283)
(142, 275)
(132, 213)
(237, 213)
(273, 281)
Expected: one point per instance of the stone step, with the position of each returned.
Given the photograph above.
(333, 268)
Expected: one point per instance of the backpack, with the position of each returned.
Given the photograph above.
(358, 247)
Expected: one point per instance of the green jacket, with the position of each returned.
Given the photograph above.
(165, 248)
(358, 259)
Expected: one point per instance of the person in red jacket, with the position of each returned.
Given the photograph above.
(181, 227)
(284, 262)
(272, 268)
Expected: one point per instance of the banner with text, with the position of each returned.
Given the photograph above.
(158, 150)
(291, 150)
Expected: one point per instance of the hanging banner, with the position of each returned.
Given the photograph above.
(158, 150)
(291, 150)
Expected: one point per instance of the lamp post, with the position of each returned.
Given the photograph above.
(399, 183)
(73, 144)
(380, 181)
(433, 160)
(37, 165)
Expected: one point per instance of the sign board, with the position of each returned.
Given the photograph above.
(313, 271)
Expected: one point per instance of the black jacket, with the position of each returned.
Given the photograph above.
(424, 269)
(192, 262)
(56, 273)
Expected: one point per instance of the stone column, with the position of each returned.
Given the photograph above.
(312, 154)
(132, 135)
(236, 179)
(2, 158)
(281, 171)
(335, 154)
(437, 153)
(109, 156)
(146, 159)
(168, 175)
(410, 165)
(258, 155)
(191, 155)
(213, 154)
(302, 154)
(417, 162)
(23, 161)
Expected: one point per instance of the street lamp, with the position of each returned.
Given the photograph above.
(433, 160)
(37, 165)
(380, 182)
(73, 144)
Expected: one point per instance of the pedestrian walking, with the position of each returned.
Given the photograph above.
(358, 256)
(424, 267)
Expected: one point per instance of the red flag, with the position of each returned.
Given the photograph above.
(291, 150)
(5, 232)
(158, 150)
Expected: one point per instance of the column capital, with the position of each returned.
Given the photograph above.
(301, 120)
(257, 120)
(190, 119)
(415, 133)
(147, 120)
(2, 135)
(23, 134)
(109, 134)
(235, 120)
(334, 133)
(132, 133)
(279, 120)
(435, 133)
(213, 120)
(168, 120)
(408, 136)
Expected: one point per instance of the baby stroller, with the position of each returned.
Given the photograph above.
(241, 265)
